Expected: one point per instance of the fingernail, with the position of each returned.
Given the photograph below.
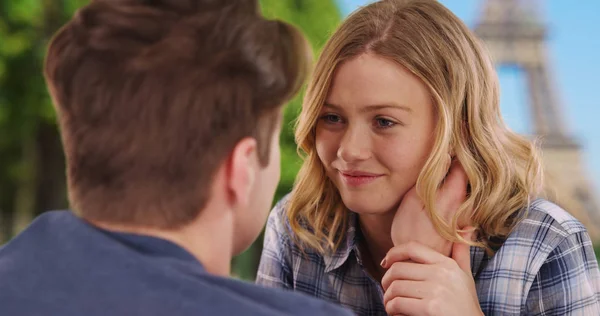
(383, 262)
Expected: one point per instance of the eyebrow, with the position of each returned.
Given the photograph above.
(375, 107)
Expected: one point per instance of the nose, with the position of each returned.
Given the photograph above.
(355, 145)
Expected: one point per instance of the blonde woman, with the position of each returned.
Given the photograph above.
(400, 88)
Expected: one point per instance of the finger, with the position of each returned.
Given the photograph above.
(404, 306)
(448, 163)
(454, 189)
(456, 173)
(405, 288)
(414, 251)
(461, 253)
(405, 271)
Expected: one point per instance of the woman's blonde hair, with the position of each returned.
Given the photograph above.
(503, 168)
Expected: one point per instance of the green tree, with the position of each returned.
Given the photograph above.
(31, 160)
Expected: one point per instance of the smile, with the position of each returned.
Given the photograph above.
(355, 178)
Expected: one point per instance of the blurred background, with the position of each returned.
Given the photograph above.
(546, 57)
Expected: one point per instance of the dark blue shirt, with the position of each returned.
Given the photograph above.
(61, 265)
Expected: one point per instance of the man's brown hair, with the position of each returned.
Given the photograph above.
(153, 95)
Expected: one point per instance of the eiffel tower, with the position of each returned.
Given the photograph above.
(514, 33)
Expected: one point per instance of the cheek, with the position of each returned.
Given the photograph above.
(405, 154)
(326, 146)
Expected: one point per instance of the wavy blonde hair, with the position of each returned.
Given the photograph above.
(503, 168)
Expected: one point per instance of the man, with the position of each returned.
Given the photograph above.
(170, 113)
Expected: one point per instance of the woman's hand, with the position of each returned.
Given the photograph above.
(421, 281)
(412, 223)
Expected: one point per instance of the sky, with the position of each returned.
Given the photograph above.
(574, 50)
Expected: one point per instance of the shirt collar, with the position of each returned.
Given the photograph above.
(334, 260)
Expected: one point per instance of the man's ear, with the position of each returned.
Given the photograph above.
(241, 171)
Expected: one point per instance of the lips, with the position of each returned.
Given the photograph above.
(357, 178)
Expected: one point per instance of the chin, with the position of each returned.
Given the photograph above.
(365, 205)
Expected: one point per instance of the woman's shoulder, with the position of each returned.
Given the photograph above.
(548, 217)
(542, 230)
(278, 219)
(279, 233)
(548, 251)
(278, 222)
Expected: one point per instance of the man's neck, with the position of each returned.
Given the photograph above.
(209, 238)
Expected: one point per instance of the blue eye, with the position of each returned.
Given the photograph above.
(384, 123)
(331, 118)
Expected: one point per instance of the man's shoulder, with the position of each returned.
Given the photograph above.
(207, 295)
(279, 301)
(95, 277)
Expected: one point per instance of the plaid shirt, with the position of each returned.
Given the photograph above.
(546, 266)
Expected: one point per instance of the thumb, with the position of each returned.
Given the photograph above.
(461, 253)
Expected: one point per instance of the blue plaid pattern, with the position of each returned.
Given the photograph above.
(546, 266)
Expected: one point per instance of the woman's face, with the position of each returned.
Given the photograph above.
(375, 132)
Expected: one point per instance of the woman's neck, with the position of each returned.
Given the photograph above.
(377, 241)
